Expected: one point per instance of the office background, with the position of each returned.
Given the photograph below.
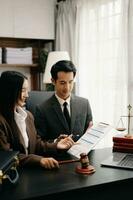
(98, 34)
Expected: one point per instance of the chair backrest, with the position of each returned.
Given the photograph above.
(36, 98)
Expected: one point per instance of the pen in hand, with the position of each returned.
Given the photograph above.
(75, 137)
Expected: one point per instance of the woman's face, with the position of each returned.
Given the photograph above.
(24, 93)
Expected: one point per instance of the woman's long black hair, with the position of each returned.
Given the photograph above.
(11, 83)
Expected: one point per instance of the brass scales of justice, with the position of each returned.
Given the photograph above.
(129, 135)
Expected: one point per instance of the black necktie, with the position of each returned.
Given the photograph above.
(66, 114)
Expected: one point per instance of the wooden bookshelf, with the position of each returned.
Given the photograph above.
(37, 45)
(18, 65)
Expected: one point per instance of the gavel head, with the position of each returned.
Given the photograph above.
(84, 160)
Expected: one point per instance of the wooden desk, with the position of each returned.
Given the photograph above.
(65, 183)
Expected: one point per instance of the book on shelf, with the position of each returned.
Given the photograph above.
(123, 144)
(122, 138)
(122, 149)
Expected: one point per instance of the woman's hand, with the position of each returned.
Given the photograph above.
(49, 163)
(65, 143)
(61, 136)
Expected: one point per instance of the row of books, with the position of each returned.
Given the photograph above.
(121, 143)
(17, 55)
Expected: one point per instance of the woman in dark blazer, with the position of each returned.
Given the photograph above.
(17, 130)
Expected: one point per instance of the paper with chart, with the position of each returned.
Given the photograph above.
(90, 138)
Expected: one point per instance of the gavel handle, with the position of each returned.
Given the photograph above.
(67, 161)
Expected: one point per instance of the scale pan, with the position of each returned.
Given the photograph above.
(120, 129)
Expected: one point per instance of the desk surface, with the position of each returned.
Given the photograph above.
(64, 183)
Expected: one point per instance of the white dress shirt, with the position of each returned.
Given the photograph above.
(20, 116)
(61, 102)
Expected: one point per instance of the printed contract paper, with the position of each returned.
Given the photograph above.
(90, 138)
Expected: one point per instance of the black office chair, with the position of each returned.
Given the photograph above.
(36, 98)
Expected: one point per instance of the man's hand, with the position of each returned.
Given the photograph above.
(90, 124)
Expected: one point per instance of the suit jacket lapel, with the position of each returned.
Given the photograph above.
(57, 109)
(21, 139)
(29, 130)
(73, 108)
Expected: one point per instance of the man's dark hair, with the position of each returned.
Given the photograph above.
(62, 66)
(11, 83)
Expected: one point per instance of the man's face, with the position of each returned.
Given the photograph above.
(64, 84)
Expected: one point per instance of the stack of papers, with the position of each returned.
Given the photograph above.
(90, 138)
(18, 55)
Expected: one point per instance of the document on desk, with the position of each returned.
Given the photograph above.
(90, 138)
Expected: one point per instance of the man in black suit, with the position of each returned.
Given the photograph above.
(50, 119)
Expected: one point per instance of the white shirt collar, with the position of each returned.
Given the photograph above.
(61, 101)
(20, 113)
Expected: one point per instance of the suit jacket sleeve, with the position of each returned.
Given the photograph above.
(40, 123)
(12, 140)
(89, 115)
